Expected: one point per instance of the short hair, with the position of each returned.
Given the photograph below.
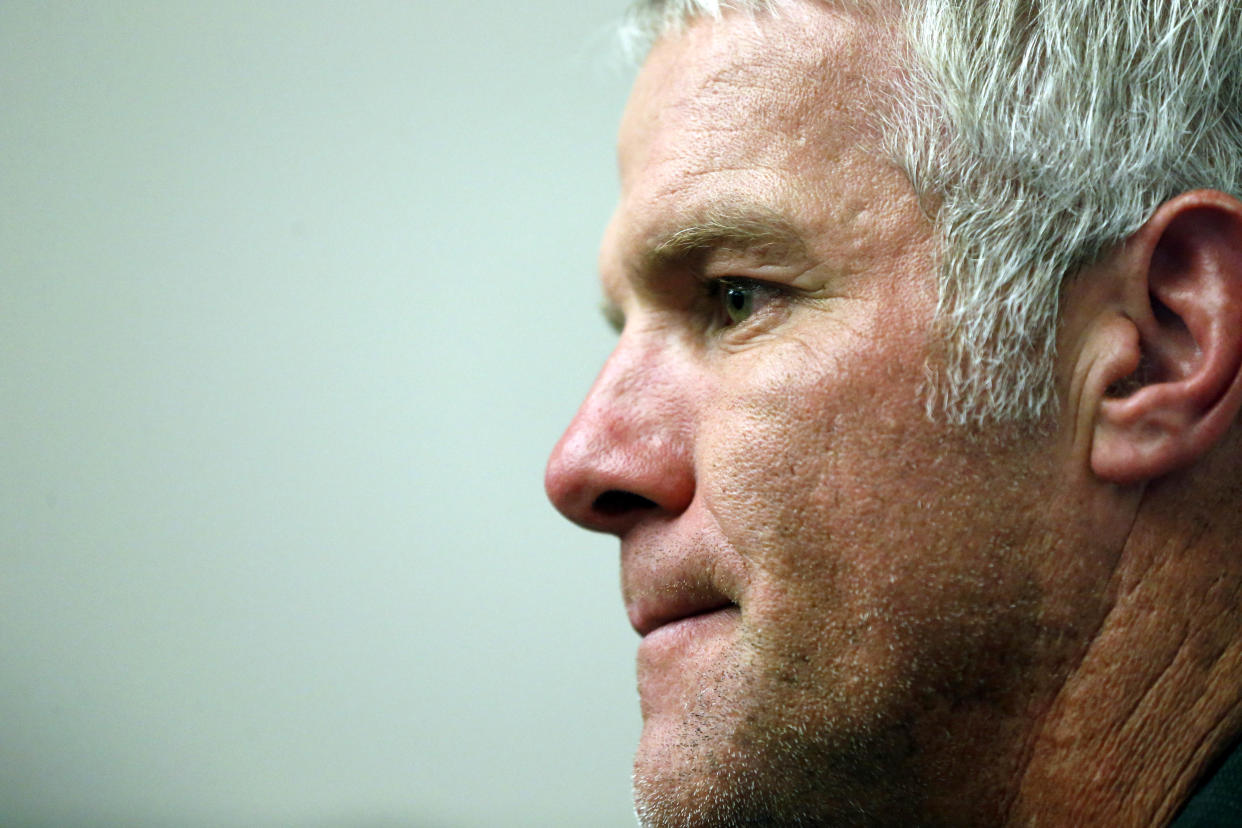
(1039, 135)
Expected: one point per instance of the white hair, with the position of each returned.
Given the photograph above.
(1041, 134)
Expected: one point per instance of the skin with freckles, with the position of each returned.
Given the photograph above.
(851, 614)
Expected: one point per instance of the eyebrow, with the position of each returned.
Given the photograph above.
(732, 229)
(735, 229)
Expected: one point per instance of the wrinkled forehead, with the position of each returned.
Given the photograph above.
(773, 104)
(806, 72)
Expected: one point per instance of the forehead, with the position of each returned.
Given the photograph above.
(774, 113)
(780, 69)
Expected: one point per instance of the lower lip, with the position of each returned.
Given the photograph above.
(693, 627)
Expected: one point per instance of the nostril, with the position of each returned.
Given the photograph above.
(614, 502)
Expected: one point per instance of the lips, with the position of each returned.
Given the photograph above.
(674, 602)
(673, 576)
(660, 591)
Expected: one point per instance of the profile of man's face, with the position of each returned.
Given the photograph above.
(844, 605)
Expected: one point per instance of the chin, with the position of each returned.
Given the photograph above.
(669, 794)
(745, 770)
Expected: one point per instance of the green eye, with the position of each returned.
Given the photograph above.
(738, 299)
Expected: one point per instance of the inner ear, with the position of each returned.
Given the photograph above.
(1186, 265)
(1169, 348)
(1127, 385)
(1166, 342)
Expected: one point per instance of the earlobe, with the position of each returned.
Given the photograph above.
(1173, 386)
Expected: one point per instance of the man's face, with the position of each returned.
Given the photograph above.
(842, 603)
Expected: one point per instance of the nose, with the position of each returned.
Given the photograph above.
(627, 455)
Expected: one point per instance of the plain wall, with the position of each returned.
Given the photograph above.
(296, 298)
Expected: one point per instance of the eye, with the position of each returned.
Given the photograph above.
(738, 298)
(743, 306)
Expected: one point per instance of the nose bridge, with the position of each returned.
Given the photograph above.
(634, 396)
(628, 450)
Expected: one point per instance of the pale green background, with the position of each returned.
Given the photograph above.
(296, 298)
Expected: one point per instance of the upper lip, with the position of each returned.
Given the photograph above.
(661, 588)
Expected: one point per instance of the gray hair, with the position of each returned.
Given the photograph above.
(1041, 134)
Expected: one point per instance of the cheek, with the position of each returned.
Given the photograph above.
(854, 514)
(806, 451)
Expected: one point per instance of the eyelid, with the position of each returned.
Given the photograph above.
(761, 286)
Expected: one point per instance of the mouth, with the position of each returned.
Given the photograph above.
(675, 606)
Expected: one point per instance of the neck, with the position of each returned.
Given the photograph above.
(1157, 696)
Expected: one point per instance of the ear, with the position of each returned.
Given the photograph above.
(1173, 385)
